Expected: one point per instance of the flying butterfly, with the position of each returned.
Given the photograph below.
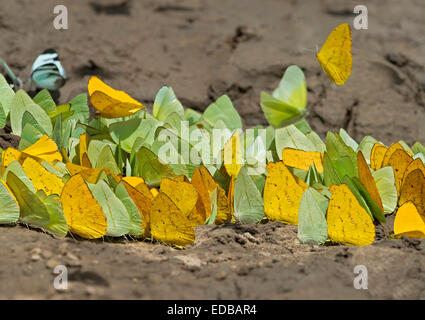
(335, 55)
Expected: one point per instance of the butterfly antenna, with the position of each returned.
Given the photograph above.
(303, 49)
(72, 235)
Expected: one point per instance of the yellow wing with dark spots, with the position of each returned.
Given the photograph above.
(335, 55)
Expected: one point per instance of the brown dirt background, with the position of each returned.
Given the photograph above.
(204, 49)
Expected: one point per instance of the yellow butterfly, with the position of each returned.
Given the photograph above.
(409, 222)
(142, 198)
(186, 198)
(41, 178)
(205, 184)
(168, 223)
(301, 159)
(84, 158)
(282, 194)
(83, 213)
(109, 102)
(335, 55)
(348, 221)
(366, 178)
(377, 155)
(44, 149)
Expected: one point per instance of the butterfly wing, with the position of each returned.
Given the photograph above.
(340, 37)
(109, 102)
(287, 103)
(278, 113)
(292, 88)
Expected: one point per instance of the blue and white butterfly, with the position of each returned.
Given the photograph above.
(47, 71)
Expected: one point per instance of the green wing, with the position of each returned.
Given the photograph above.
(312, 225)
(248, 202)
(58, 225)
(385, 182)
(166, 103)
(9, 206)
(134, 214)
(117, 217)
(33, 211)
(22, 103)
(292, 88)
(287, 103)
(291, 137)
(223, 109)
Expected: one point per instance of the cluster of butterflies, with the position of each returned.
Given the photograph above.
(338, 194)
(333, 193)
(40, 190)
(336, 190)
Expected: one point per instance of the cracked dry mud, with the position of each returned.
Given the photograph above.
(204, 49)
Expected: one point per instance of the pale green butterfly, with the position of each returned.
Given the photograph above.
(385, 182)
(330, 175)
(134, 214)
(419, 155)
(6, 96)
(127, 132)
(117, 217)
(292, 137)
(58, 225)
(94, 148)
(366, 146)
(22, 103)
(343, 157)
(9, 205)
(148, 166)
(33, 211)
(287, 103)
(167, 104)
(19, 172)
(348, 140)
(248, 202)
(213, 198)
(223, 109)
(312, 225)
(319, 145)
(313, 177)
(30, 135)
(106, 159)
(418, 148)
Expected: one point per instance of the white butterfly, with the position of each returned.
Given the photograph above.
(47, 71)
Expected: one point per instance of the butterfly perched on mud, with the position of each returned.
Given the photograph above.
(47, 71)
